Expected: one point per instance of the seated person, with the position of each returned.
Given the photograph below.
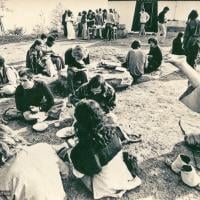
(76, 58)
(33, 172)
(29, 98)
(8, 79)
(177, 45)
(96, 89)
(154, 56)
(34, 58)
(98, 153)
(49, 53)
(135, 61)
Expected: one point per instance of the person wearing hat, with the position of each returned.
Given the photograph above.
(30, 171)
(29, 98)
(49, 53)
(76, 58)
(8, 78)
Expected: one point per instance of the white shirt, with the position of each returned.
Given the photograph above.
(144, 17)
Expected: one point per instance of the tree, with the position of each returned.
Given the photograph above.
(57, 16)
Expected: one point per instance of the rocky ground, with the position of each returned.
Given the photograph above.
(150, 108)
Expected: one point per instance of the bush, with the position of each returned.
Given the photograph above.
(16, 31)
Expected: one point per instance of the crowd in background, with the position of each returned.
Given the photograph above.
(100, 23)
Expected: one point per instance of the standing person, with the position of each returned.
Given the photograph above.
(80, 28)
(84, 25)
(29, 98)
(162, 28)
(70, 26)
(154, 56)
(99, 23)
(64, 23)
(144, 18)
(192, 31)
(8, 78)
(110, 21)
(116, 17)
(135, 61)
(98, 153)
(177, 45)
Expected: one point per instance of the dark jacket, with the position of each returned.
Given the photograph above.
(88, 159)
(71, 61)
(177, 47)
(106, 98)
(24, 98)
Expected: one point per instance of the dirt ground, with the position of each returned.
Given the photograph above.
(150, 108)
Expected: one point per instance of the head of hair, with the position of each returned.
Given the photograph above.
(142, 9)
(135, 44)
(36, 43)
(43, 36)
(88, 114)
(193, 15)
(2, 61)
(69, 13)
(97, 81)
(26, 73)
(91, 126)
(166, 9)
(79, 14)
(154, 40)
(180, 35)
(84, 12)
(51, 39)
(110, 10)
(79, 52)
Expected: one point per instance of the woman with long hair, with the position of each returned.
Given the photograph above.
(192, 31)
(98, 152)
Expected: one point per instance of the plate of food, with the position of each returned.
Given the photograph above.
(41, 126)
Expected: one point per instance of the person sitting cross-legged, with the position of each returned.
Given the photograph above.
(49, 53)
(177, 45)
(8, 78)
(33, 98)
(76, 58)
(98, 152)
(135, 61)
(154, 56)
(34, 60)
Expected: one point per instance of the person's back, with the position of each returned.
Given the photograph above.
(33, 174)
(136, 61)
(177, 46)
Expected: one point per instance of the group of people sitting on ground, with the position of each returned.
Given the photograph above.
(98, 24)
(100, 136)
(139, 63)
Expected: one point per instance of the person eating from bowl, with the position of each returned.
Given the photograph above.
(30, 95)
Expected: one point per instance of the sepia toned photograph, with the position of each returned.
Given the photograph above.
(99, 99)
